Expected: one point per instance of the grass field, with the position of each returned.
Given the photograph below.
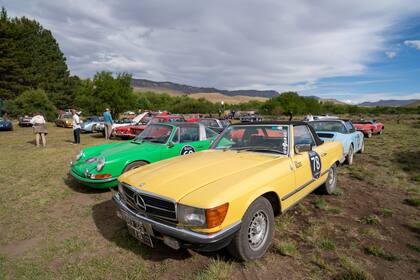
(52, 228)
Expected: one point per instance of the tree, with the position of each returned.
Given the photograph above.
(105, 91)
(32, 101)
(29, 58)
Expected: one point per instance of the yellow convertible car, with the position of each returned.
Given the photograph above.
(228, 195)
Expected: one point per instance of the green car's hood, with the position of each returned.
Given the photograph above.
(117, 155)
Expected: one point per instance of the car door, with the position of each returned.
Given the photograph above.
(185, 140)
(355, 136)
(307, 164)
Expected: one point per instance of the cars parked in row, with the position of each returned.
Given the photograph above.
(5, 124)
(25, 121)
(99, 166)
(90, 123)
(226, 196)
(369, 127)
(64, 120)
(342, 131)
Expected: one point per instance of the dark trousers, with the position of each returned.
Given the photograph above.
(76, 133)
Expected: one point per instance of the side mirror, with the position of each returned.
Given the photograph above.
(171, 144)
(351, 130)
(300, 148)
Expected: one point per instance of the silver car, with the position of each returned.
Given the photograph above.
(91, 124)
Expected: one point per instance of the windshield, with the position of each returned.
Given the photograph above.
(328, 126)
(257, 138)
(155, 133)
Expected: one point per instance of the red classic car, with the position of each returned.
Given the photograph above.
(131, 131)
(369, 127)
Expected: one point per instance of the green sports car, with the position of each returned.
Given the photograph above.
(100, 166)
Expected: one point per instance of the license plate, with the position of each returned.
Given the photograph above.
(140, 230)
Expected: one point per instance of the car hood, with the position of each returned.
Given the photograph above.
(179, 176)
(127, 149)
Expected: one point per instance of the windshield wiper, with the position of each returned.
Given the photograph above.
(258, 149)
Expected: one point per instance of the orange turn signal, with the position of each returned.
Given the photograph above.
(101, 176)
(215, 216)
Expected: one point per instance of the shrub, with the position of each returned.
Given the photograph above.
(32, 101)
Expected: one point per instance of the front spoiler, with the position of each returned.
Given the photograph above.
(179, 233)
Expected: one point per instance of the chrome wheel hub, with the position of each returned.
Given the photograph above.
(257, 230)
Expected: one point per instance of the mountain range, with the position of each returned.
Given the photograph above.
(216, 95)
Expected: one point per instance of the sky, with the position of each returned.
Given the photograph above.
(353, 51)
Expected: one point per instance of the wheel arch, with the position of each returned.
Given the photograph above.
(270, 195)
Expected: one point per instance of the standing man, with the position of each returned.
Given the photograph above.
(108, 123)
(76, 127)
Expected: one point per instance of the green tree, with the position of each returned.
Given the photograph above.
(32, 101)
(29, 58)
(105, 91)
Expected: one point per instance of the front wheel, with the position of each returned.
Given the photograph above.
(134, 165)
(350, 155)
(329, 186)
(256, 232)
(381, 131)
(369, 134)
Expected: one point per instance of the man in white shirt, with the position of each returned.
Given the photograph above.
(76, 127)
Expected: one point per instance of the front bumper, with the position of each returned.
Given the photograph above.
(95, 183)
(188, 238)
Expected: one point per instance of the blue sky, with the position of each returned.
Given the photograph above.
(394, 72)
(354, 51)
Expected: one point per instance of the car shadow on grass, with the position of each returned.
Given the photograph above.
(77, 187)
(114, 229)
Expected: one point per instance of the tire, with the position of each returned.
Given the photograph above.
(134, 165)
(329, 186)
(350, 155)
(362, 149)
(369, 134)
(94, 128)
(259, 216)
(381, 131)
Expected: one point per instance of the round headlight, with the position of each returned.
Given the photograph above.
(101, 163)
(79, 155)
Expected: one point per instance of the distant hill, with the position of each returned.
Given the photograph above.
(330, 100)
(185, 89)
(390, 103)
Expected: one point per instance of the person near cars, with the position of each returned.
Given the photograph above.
(76, 127)
(108, 123)
(40, 129)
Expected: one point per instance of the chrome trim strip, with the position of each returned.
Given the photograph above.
(303, 186)
(178, 232)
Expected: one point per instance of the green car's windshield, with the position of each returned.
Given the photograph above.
(256, 138)
(155, 133)
(328, 126)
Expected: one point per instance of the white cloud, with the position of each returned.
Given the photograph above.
(413, 43)
(267, 44)
(390, 54)
(357, 97)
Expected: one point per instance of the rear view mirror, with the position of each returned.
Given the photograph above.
(171, 144)
(300, 148)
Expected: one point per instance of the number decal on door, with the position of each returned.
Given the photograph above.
(315, 162)
(187, 150)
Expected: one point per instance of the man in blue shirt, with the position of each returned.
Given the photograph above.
(108, 123)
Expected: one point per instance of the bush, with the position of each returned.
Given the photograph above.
(32, 101)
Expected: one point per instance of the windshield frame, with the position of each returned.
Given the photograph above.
(311, 123)
(233, 126)
(173, 131)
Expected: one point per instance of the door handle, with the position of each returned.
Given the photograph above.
(323, 154)
(298, 164)
(199, 147)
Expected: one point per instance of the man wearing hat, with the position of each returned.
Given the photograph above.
(108, 123)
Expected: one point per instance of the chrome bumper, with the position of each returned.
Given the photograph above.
(181, 234)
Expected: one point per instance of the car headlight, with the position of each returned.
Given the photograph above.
(100, 165)
(79, 155)
(199, 217)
